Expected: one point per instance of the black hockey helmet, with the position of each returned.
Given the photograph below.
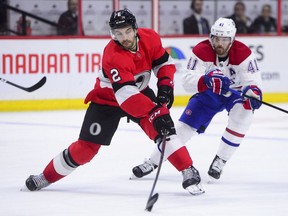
(122, 18)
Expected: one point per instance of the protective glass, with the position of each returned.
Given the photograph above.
(122, 33)
(222, 40)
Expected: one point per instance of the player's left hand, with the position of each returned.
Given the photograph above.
(250, 103)
(165, 93)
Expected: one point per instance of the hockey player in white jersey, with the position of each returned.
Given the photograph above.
(217, 64)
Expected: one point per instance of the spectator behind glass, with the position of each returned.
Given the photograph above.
(242, 21)
(285, 28)
(68, 21)
(264, 23)
(196, 24)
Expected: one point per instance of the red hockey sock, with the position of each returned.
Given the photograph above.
(50, 173)
(181, 159)
(78, 153)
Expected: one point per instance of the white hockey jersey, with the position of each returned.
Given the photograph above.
(240, 67)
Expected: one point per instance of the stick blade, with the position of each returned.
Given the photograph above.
(37, 85)
(151, 201)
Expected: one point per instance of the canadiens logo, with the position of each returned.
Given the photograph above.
(188, 112)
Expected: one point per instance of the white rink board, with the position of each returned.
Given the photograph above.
(71, 65)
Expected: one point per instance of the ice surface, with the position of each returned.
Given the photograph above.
(254, 182)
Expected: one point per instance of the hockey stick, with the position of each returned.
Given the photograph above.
(153, 198)
(263, 102)
(28, 89)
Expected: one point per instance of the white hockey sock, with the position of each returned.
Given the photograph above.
(172, 145)
(230, 141)
(63, 167)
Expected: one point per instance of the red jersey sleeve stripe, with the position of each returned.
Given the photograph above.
(234, 133)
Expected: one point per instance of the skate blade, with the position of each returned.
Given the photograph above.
(24, 189)
(133, 177)
(211, 180)
(195, 189)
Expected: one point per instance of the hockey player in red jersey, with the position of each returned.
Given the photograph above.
(122, 90)
(216, 65)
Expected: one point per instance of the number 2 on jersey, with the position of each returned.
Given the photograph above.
(115, 75)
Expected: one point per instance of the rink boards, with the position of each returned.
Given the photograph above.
(71, 67)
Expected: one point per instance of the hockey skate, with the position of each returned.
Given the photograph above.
(143, 169)
(216, 168)
(191, 181)
(36, 182)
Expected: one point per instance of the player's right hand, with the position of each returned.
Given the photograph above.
(161, 120)
(217, 81)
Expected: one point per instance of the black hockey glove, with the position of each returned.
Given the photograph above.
(165, 93)
(161, 120)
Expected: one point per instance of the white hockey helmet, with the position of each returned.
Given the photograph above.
(224, 27)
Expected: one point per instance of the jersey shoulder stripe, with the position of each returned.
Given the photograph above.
(204, 51)
(238, 53)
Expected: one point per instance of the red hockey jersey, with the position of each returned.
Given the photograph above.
(125, 74)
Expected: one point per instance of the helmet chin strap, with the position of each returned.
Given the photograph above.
(232, 41)
(136, 45)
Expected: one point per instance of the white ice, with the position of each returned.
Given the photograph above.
(254, 182)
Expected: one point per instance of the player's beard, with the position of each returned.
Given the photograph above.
(129, 45)
(221, 51)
